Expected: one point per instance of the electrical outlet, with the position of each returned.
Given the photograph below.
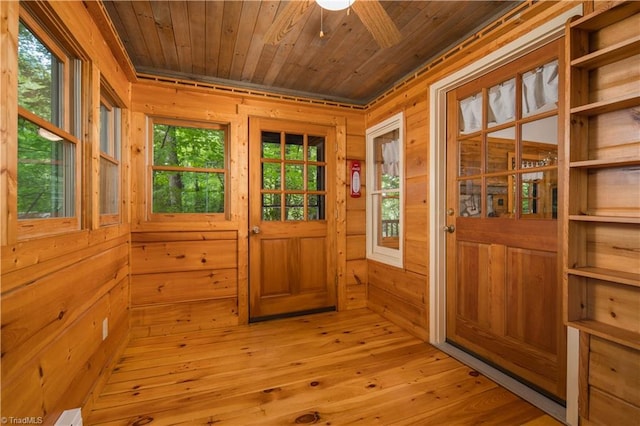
(105, 328)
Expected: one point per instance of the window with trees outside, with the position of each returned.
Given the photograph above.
(48, 133)
(189, 169)
(110, 147)
(385, 180)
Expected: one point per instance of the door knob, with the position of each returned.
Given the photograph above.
(255, 230)
(450, 228)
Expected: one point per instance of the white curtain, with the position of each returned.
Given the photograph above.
(391, 158)
(539, 93)
(471, 114)
(502, 103)
(540, 89)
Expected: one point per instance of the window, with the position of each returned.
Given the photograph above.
(293, 175)
(385, 180)
(189, 169)
(48, 129)
(508, 164)
(110, 147)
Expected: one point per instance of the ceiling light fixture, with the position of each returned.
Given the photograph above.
(335, 4)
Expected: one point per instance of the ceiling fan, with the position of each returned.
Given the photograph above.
(370, 12)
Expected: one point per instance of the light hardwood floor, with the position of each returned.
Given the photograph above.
(328, 369)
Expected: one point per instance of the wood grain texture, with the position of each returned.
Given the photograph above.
(233, 42)
(337, 368)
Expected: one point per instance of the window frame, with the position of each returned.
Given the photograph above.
(114, 156)
(190, 217)
(376, 252)
(72, 88)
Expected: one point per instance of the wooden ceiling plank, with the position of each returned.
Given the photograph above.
(375, 18)
(302, 67)
(266, 15)
(213, 38)
(180, 23)
(341, 35)
(246, 33)
(162, 16)
(197, 31)
(230, 23)
(124, 19)
(286, 20)
(148, 34)
(300, 35)
(224, 41)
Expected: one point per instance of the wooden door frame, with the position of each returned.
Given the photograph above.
(537, 37)
(339, 247)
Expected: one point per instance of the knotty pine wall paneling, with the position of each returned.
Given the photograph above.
(410, 309)
(356, 262)
(192, 275)
(57, 290)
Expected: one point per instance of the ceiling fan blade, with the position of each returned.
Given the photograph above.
(285, 20)
(377, 21)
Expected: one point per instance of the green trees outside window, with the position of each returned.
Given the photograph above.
(189, 169)
(46, 159)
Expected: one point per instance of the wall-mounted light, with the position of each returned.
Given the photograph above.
(335, 4)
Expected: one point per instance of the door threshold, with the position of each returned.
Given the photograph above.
(292, 314)
(537, 399)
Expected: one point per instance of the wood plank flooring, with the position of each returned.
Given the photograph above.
(351, 367)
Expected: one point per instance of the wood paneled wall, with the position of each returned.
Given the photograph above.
(56, 291)
(194, 275)
(410, 308)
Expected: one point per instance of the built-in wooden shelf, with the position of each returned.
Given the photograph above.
(603, 301)
(609, 105)
(606, 163)
(605, 17)
(608, 55)
(620, 277)
(608, 332)
(604, 219)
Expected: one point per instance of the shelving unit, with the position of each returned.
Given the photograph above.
(603, 185)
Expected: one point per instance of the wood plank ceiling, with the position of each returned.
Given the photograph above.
(222, 42)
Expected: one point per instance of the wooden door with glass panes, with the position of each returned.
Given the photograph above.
(292, 207)
(504, 293)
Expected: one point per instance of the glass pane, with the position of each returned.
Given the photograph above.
(469, 157)
(294, 147)
(39, 82)
(315, 148)
(539, 192)
(188, 192)
(387, 206)
(271, 207)
(271, 176)
(502, 103)
(105, 130)
(315, 178)
(109, 187)
(540, 142)
(294, 176)
(470, 194)
(46, 174)
(271, 145)
(498, 197)
(294, 207)
(470, 117)
(387, 160)
(499, 145)
(188, 146)
(315, 207)
(540, 89)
